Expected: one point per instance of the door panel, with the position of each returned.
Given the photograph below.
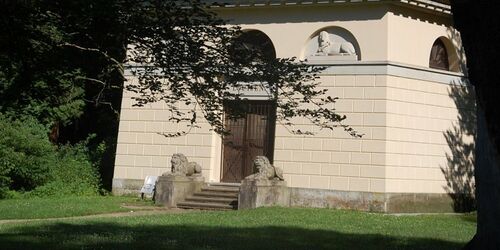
(250, 136)
(234, 150)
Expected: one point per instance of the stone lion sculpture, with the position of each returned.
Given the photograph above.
(326, 46)
(265, 171)
(181, 166)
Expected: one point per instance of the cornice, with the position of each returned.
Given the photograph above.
(436, 6)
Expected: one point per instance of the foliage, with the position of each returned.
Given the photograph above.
(36, 75)
(48, 72)
(263, 228)
(61, 63)
(184, 55)
(26, 154)
(30, 163)
(73, 174)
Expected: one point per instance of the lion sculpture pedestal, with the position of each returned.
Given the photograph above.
(264, 188)
(184, 180)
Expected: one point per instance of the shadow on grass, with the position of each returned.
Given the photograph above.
(113, 236)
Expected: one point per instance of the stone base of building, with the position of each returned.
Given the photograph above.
(322, 198)
(263, 193)
(419, 203)
(172, 189)
(374, 202)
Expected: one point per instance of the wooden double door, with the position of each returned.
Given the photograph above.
(250, 136)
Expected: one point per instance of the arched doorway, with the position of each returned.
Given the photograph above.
(252, 134)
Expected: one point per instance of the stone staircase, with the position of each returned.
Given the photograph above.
(213, 196)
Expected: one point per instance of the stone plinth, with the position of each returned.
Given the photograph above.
(263, 193)
(332, 58)
(172, 189)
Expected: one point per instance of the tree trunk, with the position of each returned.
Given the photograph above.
(487, 175)
(479, 26)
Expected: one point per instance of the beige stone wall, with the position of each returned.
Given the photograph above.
(419, 114)
(333, 159)
(143, 151)
(384, 32)
(291, 28)
(411, 35)
(403, 149)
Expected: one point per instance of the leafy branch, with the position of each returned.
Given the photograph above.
(200, 61)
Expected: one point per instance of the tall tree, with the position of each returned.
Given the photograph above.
(60, 63)
(479, 26)
(37, 77)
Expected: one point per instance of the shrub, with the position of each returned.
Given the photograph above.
(4, 182)
(30, 164)
(73, 174)
(26, 154)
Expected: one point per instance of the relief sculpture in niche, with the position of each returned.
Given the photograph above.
(326, 47)
(334, 44)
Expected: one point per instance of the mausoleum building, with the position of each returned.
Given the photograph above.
(397, 68)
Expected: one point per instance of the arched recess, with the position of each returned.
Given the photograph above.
(256, 41)
(252, 131)
(443, 55)
(341, 45)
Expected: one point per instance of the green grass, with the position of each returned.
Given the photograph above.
(39, 208)
(264, 228)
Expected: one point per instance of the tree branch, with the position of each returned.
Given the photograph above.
(116, 62)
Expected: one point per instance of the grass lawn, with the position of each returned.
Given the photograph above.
(263, 228)
(39, 208)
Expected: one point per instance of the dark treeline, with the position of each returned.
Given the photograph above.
(58, 67)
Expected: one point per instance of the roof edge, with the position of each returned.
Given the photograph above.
(439, 6)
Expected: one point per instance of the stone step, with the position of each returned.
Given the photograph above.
(221, 189)
(223, 184)
(217, 194)
(221, 200)
(205, 206)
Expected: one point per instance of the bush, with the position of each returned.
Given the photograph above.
(74, 174)
(4, 183)
(26, 155)
(30, 164)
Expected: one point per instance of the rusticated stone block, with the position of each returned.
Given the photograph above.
(171, 189)
(263, 193)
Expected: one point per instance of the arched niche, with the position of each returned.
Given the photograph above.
(249, 47)
(443, 55)
(257, 42)
(332, 44)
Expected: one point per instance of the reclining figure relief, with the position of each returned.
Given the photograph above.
(180, 166)
(327, 47)
(265, 171)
